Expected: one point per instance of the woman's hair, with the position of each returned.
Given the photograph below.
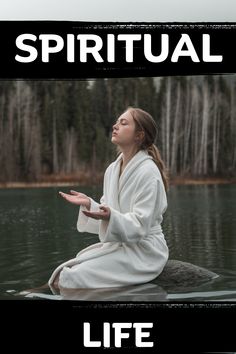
(145, 122)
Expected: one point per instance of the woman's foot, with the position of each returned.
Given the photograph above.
(55, 282)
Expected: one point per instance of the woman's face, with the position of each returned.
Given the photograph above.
(123, 131)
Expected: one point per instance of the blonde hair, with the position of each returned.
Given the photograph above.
(144, 122)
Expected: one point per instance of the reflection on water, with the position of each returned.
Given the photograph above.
(145, 292)
(38, 232)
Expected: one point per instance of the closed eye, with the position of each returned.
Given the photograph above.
(122, 121)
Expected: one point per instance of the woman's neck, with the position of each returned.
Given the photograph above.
(127, 156)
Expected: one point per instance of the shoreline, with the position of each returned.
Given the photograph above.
(173, 182)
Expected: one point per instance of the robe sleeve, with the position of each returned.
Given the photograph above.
(85, 223)
(134, 225)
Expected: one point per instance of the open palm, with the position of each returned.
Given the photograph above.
(77, 198)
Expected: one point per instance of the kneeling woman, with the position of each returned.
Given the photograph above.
(132, 248)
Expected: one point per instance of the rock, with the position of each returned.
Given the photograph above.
(183, 274)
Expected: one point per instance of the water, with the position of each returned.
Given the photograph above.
(38, 232)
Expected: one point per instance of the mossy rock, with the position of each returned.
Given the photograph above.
(183, 274)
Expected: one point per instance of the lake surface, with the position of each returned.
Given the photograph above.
(38, 232)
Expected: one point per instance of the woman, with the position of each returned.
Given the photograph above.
(132, 248)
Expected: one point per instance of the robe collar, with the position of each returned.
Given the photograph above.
(129, 169)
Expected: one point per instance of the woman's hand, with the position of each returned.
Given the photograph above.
(77, 198)
(104, 214)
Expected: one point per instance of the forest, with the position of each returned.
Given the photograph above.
(53, 130)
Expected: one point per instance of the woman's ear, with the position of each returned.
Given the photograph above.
(139, 136)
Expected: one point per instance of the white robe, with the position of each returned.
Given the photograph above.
(132, 248)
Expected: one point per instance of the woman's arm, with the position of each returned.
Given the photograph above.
(87, 204)
(85, 223)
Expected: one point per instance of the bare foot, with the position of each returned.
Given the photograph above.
(44, 286)
(56, 281)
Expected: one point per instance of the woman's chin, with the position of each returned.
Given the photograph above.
(114, 141)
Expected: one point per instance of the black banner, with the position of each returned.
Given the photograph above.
(121, 327)
(73, 50)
